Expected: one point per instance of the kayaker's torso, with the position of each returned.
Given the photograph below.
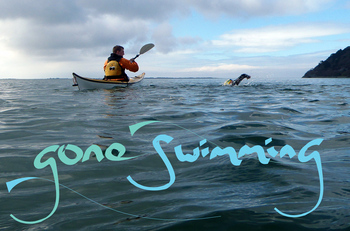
(113, 70)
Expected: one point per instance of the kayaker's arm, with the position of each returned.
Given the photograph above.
(105, 65)
(127, 64)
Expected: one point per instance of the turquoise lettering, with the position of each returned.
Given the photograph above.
(64, 158)
(258, 149)
(120, 148)
(158, 148)
(93, 149)
(230, 151)
(206, 150)
(287, 150)
(302, 158)
(188, 157)
(217, 151)
(271, 151)
(40, 165)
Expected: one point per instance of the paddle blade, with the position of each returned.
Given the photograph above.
(146, 48)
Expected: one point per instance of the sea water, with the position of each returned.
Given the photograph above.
(208, 192)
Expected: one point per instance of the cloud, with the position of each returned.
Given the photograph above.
(164, 38)
(220, 67)
(274, 38)
(43, 11)
(151, 10)
(41, 26)
(55, 29)
(166, 41)
(64, 11)
(52, 35)
(94, 33)
(259, 67)
(257, 8)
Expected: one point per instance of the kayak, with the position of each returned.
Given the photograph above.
(84, 83)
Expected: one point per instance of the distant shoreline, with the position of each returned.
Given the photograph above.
(145, 78)
(326, 77)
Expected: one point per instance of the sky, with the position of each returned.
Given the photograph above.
(193, 38)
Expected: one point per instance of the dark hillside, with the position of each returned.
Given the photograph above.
(336, 66)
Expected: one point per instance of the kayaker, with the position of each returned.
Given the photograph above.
(236, 81)
(115, 65)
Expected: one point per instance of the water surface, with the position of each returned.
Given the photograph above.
(208, 194)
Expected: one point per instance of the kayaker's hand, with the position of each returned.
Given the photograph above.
(132, 60)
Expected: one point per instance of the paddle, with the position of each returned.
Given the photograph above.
(144, 49)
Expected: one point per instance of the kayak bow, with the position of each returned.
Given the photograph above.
(84, 83)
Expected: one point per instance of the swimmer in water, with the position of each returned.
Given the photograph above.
(236, 81)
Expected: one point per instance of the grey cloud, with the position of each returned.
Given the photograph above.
(64, 11)
(162, 10)
(256, 8)
(43, 11)
(167, 42)
(95, 33)
(153, 10)
(163, 37)
(46, 27)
